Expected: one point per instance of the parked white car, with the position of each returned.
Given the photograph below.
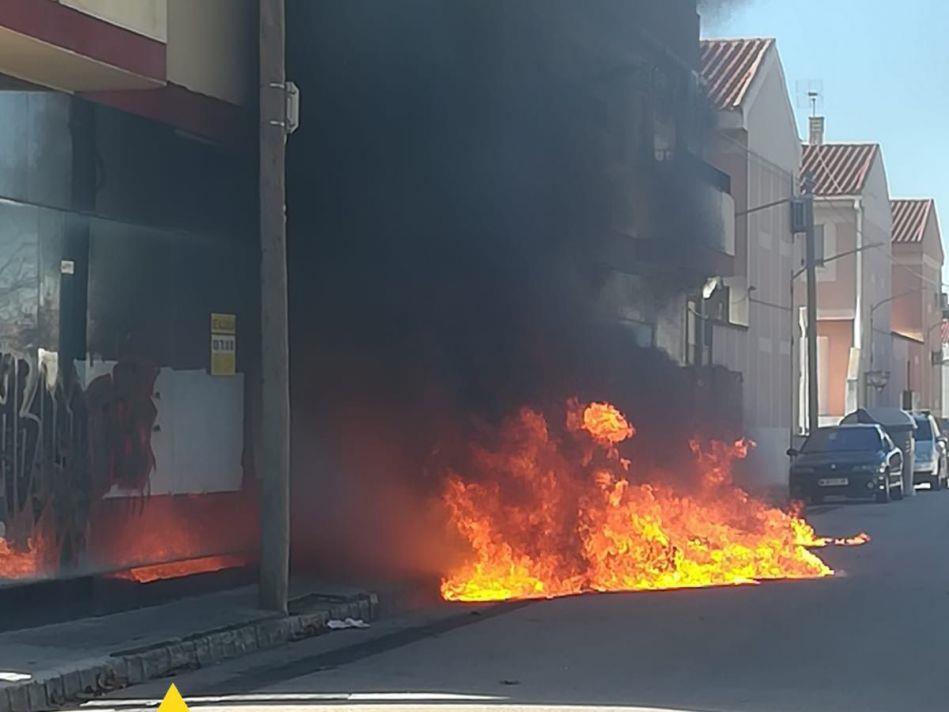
(930, 450)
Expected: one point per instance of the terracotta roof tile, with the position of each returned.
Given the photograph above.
(839, 168)
(909, 219)
(729, 67)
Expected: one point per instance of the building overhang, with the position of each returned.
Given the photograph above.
(44, 43)
(835, 314)
(913, 338)
(730, 120)
(55, 46)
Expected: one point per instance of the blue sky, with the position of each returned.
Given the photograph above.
(884, 71)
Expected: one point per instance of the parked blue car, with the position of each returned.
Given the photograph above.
(848, 461)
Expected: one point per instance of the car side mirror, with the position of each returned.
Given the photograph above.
(793, 452)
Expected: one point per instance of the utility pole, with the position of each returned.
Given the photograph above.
(810, 263)
(274, 428)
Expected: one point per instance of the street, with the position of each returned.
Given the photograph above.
(874, 637)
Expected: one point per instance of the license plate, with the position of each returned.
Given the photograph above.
(833, 482)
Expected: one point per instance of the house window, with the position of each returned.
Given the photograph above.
(664, 138)
(698, 334)
(644, 334)
(825, 245)
(664, 123)
(717, 306)
(819, 245)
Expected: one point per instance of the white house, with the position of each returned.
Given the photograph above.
(758, 146)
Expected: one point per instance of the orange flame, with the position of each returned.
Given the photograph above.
(180, 569)
(606, 424)
(19, 564)
(548, 516)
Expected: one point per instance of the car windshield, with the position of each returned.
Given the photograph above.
(924, 430)
(842, 439)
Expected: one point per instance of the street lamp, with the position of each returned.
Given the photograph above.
(875, 381)
(825, 260)
(881, 303)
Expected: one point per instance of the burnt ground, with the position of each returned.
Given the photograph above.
(874, 637)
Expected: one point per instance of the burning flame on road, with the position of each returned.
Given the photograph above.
(551, 515)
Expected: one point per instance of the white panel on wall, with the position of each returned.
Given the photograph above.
(198, 439)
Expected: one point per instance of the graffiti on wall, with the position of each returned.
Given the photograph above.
(122, 417)
(62, 447)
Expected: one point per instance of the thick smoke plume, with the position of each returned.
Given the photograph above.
(718, 10)
(443, 215)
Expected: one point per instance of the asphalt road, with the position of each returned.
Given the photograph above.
(874, 637)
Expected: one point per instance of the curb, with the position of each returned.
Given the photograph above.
(93, 676)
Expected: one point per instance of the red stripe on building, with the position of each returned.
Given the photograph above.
(176, 106)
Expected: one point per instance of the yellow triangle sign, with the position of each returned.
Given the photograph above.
(173, 701)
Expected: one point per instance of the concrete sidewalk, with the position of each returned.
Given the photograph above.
(69, 661)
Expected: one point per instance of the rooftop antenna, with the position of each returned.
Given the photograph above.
(810, 95)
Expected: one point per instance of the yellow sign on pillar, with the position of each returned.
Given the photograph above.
(223, 344)
(173, 701)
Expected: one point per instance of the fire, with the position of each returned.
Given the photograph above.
(20, 564)
(34, 560)
(558, 513)
(180, 569)
(606, 424)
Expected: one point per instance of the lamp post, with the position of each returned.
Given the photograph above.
(278, 118)
(873, 310)
(879, 304)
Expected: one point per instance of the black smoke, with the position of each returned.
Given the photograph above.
(444, 215)
(718, 10)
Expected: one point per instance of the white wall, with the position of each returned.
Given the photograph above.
(211, 48)
(877, 279)
(762, 352)
(146, 17)
(199, 437)
(944, 378)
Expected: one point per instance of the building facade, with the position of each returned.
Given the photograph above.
(757, 144)
(124, 226)
(854, 226)
(916, 317)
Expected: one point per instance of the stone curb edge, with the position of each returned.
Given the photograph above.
(94, 676)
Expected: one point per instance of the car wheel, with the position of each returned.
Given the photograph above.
(899, 491)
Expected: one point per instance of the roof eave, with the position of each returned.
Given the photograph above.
(733, 118)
